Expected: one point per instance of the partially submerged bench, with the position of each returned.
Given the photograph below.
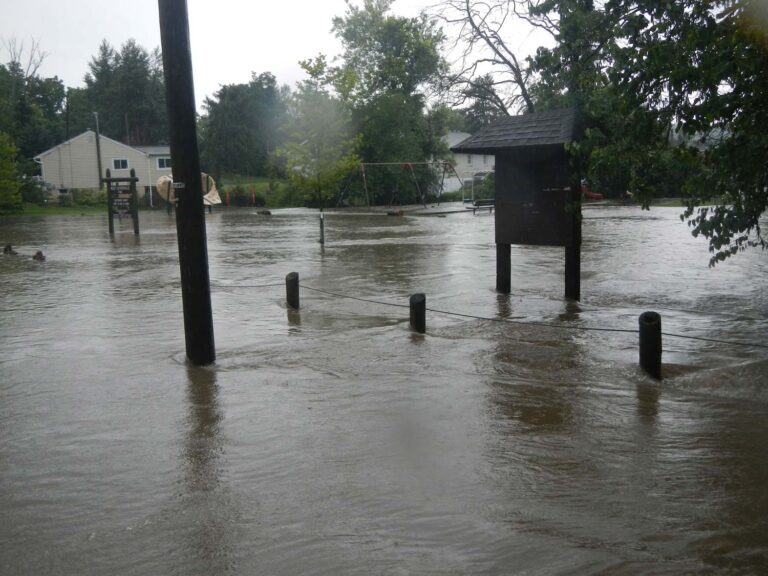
(483, 203)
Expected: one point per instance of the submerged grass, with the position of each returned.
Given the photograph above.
(55, 210)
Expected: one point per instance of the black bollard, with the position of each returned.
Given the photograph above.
(418, 304)
(292, 290)
(650, 343)
(322, 227)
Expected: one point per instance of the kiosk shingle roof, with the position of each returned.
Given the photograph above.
(553, 127)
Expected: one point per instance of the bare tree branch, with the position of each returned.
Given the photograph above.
(480, 31)
(35, 57)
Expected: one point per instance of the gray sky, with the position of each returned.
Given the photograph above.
(230, 38)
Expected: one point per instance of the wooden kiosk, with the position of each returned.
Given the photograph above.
(538, 192)
(122, 200)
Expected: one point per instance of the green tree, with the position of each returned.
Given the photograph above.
(396, 129)
(10, 197)
(485, 103)
(126, 88)
(384, 53)
(30, 106)
(389, 66)
(701, 67)
(240, 127)
(78, 112)
(674, 94)
(320, 148)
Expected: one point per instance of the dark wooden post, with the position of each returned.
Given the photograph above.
(188, 186)
(134, 202)
(110, 209)
(292, 290)
(573, 248)
(322, 227)
(573, 272)
(650, 343)
(418, 309)
(503, 268)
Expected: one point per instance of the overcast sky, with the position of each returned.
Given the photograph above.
(230, 38)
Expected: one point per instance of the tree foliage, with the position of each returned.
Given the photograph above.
(701, 67)
(126, 88)
(389, 66)
(320, 151)
(383, 53)
(10, 197)
(30, 106)
(481, 103)
(240, 127)
(674, 94)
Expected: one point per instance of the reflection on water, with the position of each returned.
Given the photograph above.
(648, 394)
(204, 443)
(333, 440)
(504, 306)
(204, 495)
(294, 320)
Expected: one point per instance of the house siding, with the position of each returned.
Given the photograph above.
(73, 163)
(111, 150)
(466, 165)
(154, 171)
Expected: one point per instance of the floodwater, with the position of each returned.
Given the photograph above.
(335, 441)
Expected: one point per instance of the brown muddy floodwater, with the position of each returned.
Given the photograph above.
(334, 441)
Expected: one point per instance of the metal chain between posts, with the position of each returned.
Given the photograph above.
(503, 320)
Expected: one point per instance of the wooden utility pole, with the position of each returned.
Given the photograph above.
(188, 186)
(98, 150)
(110, 203)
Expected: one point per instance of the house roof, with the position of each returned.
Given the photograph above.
(146, 150)
(154, 150)
(453, 138)
(537, 129)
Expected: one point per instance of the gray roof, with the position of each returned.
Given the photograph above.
(453, 138)
(155, 150)
(553, 127)
(147, 150)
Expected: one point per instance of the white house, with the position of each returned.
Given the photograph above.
(74, 164)
(467, 166)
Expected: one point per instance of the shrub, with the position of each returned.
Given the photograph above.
(285, 196)
(65, 200)
(34, 192)
(88, 196)
(451, 196)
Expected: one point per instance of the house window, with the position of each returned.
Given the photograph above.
(164, 163)
(469, 159)
(120, 164)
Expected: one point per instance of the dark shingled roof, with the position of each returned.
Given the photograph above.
(553, 127)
